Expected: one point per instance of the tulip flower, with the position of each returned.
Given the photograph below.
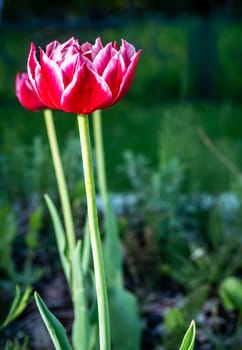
(25, 93)
(81, 78)
(78, 79)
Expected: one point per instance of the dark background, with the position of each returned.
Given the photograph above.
(97, 9)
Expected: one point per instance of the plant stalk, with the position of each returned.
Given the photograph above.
(99, 150)
(61, 182)
(98, 262)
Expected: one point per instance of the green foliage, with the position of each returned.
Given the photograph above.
(8, 233)
(124, 317)
(35, 224)
(33, 180)
(81, 325)
(123, 306)
(60, 240)
(230, 291)
(222, 244)
(177, 318)
(55, 328)
(124, 321)
(9, 237)
(189, 338)
(16, 345)
(18, 305)
(189, 235)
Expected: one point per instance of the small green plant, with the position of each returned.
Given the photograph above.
(17, 345)
(18, 305)
(176, 318)
(10, 271)
(189, 338)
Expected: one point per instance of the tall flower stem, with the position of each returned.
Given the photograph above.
(101, 173)
(98, 262)
(61, 181)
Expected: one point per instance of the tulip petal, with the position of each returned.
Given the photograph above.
(51, 48)
(102, 58)
(25, 94)
(69, 48)
(128, 77)
(96, 48)
(127, 50)
(49, 81)
(113, 74)
(69, 67)
(32, 66)
(86, 93)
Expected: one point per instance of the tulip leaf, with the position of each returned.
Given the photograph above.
(60, 238)
(125, 325)
(80, 332)
(124, 320)
(189, 338)
(53, 325)
(86, 250)
(18, 305)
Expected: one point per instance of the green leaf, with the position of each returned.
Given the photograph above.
(80, 332)
(86, 250)
(230, 291)
(189, 338)
(53, 325)
(60, 238)
(124, 320)
(18, 305)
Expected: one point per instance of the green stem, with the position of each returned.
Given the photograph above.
(113, 254)
(101, 173)
(99, 271)
(61, 182)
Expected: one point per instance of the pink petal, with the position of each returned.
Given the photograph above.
(128, 77)
(86, 93)
(127, 51)
(49, 81)
(32, 65)
(51, 48)
(25, 94)
(86, 47)
(96, 48)
(113, 74)
(102, 58)
(72, 42)
(70, 47)
(115, 45)
(69, 66)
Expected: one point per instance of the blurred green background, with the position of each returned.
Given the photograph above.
(190, 69)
